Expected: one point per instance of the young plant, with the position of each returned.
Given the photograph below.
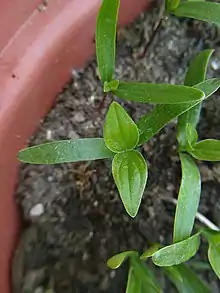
(122, 137)
(142, 279)
(170, 259)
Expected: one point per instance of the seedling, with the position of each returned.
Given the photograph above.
(122, 138)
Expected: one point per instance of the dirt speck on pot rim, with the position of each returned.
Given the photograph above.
(73, 212)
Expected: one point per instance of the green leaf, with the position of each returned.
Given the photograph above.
(120, 131)
(214, 258)
(213, 238)
(111, 85)
(148, 253)
(134, 282)
(149, 284)
(191, 135)
(207, 150)
(185, 280)
(205, 11)
(196, 73)
(188, 199)
(116, 261)
(129, 170)
(106, 38)
(171, 5)
(211, 235)
(157, 93)
(66, 151)
(177, 253)
(209, 86)
(153, 122)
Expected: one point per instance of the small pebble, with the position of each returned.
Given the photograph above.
(37, 210)
(95, 203)
(49, 134)
(171, 45)
(170, 187)
(112, 274)
(50, 178)
(92, 98)
(79, 117)
(215, 64)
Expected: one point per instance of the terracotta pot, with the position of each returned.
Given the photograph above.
(40, 44)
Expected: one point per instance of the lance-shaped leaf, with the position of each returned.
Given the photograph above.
(134, 282)
(196, 73)
(213, 238)
(129, 170)
(116, 261)
(207, 150)
(153, 122)
(188, 199)
(214, 258)
(120, 131)
(185, 280)
(106, 38)
(149, 283)
(205, 11)
(66, 151)
(177, 253)
(157, 93)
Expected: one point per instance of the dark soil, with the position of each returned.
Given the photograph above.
(75, 220)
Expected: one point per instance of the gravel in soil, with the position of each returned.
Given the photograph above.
(75, 220)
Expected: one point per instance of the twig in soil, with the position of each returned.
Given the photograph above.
(155, 32)
(156, 29)
(200, 217)
(101, 104)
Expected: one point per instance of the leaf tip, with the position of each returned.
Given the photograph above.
(111, 264)
(132, 214)
(20, 155)
(132, 211)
